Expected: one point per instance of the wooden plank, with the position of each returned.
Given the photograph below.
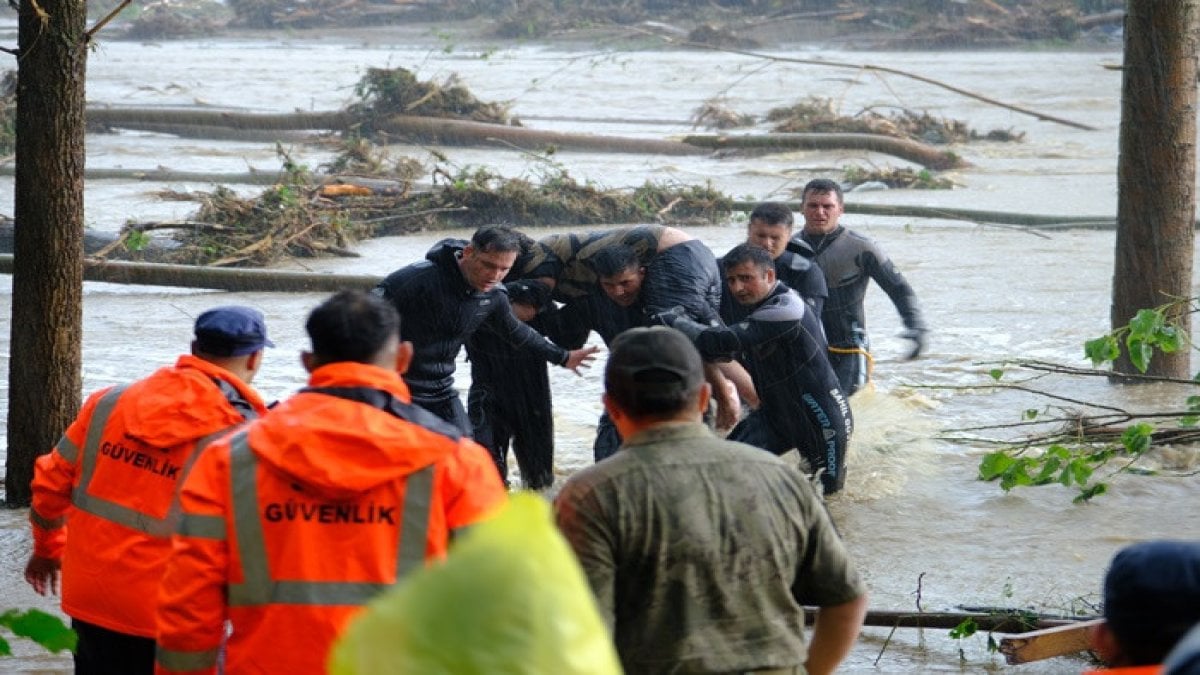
(1048, 643)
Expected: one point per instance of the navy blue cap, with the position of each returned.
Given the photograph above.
(1155, 583)
(232, 330)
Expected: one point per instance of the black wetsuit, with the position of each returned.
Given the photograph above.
(802, 405)
(850, 260)
(439, 310)
(794, 269)
(571, 325)
(509, 403)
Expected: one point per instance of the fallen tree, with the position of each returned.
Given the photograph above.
(240, 280)
(912, 151)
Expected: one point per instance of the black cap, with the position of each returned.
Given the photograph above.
(655, 359)
(232, 330)
(1154, 584)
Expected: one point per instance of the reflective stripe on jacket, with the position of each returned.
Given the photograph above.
(291, 525)
(113, 481)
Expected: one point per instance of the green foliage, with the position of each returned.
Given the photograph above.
(1070, 466)
(1149, 330)
(47, 630)
(966, 629)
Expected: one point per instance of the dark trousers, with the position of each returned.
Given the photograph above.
(450, 409)
(608, 439)
(851, 370)
(101, 651)
(497, 424)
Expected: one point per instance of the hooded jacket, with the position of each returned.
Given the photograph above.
(113, 479)
(439, 310)
(291, 525)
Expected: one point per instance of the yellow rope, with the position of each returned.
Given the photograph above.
(857, 350)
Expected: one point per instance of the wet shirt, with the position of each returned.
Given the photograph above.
(701, 552)
(564, 257)
(850, 260)
(439, 310)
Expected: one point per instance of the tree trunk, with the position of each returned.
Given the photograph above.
(918, 153)
(1156, 171)
(44, 378)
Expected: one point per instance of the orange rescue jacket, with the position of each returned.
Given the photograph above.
(113, 481)
(292, 524)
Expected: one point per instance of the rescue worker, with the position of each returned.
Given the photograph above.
(850, 261)
(291, 525)
(770, 227)
(114, 479)
(445, 298)
(802, 405)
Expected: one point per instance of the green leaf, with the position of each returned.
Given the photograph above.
(1136, 438)
(1082, 471)
(966, 629)
(994, 464)
(1193, 403)
(1087, 493)
(45, 629)
(5, 648)
(996, 373)
(1140, 353)
(1029, 414)
(1169, 340)
(1189, 420)
(1144, 324)
(1102, 349)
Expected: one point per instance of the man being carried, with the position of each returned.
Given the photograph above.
(849, 261)
(447, 297)
(802, 406)
(702, 552)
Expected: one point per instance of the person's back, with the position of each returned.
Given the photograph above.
(701, 551)
(114, 476)
(294, 523)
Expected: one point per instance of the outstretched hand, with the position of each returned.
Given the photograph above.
(42, 574)
(918, 339)
(580, 358)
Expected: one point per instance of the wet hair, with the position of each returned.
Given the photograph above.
(612, 260)
(497, 239)
(823, 186)
(352, 326)
(773, 213)
(744, 253)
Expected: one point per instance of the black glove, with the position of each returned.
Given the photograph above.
(918, 338)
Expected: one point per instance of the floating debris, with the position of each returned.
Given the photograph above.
(819, 115)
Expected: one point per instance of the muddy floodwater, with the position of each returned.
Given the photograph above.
(922, 528)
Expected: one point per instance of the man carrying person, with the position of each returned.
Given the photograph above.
(115, 476)
(446, 298)
(801, 404)
(291, 525)
(701, 552)
(849, 261)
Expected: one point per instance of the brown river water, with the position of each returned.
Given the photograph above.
(922, 528)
